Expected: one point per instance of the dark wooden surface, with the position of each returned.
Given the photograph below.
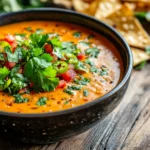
(126, 128)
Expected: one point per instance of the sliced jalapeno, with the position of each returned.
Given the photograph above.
(60, 66)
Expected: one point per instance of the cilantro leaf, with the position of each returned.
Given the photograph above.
(55, 42)
(29, 29)
(18, 82)
(20, 99)
(83, 43)
(85, 93)
(38, 40)
(41, 72)
(77, 34)
(82, 81)
(13, 57)
(1, 57)
(42, 101)
(81, 67)
(104, 72)
(92, 52)
(38, 31)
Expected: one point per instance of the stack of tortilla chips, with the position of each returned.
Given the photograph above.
(120, 14)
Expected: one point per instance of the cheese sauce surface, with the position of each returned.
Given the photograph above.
(108, 61)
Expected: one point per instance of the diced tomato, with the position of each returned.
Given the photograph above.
(9, 38)
(9, 65)
(61, 84)
(68, 75)
(14, 46)
(48, 48)
(81, 56)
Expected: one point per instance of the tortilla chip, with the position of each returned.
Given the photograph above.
(139, 5)
(80, 5)
(106, 8)
(125, 22)
(65, 3)
(139, 56)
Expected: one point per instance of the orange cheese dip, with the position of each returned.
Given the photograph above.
(58, 100)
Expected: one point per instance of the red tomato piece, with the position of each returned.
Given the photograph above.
(68, 75)
(81, 56)
(48, 48)
(9, 65)
(14, 46)
(9, 38)
(62, 84)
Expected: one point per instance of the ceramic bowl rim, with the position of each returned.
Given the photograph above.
(89, 104)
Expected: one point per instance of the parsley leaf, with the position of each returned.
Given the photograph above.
(42, 101)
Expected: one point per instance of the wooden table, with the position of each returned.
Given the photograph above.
(126, 128)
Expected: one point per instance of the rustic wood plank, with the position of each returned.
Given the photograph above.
(113, 131)
(139, 136)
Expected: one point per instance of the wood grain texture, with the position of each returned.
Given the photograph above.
(126, 128)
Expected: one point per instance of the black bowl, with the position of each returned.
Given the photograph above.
(51, 127)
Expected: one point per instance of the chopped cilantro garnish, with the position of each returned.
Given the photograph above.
(82, 81)
(20, 99)
(94, 70)
(89, 62)
(51, 35)
(66, 102)
(29, 29)
(104, 72)
(85, 93)
(83, 43)
(70, 92)
(73, 87)
(1, 57)
(92, 52)
(19, 34)
(38, 31)
(42, 101)
(77, 34)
